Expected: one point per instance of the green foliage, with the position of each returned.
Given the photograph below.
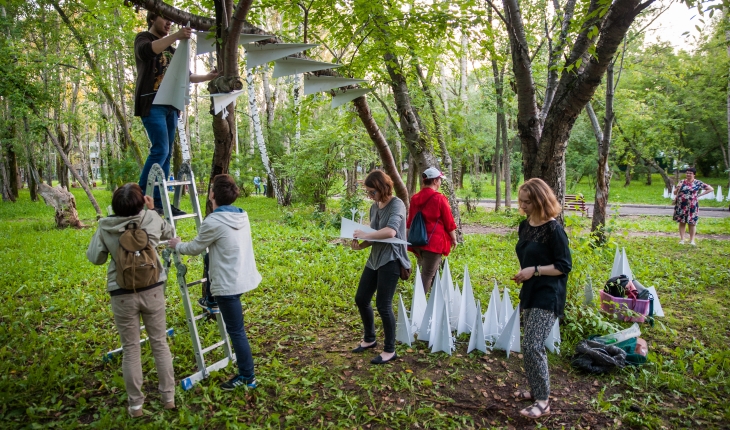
(121, 171)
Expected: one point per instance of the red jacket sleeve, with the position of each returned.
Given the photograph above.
(446, 216)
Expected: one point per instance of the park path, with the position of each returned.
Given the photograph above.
(640, 209)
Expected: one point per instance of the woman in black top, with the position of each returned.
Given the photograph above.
(545, 260)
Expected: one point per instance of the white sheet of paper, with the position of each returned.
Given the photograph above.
(507, 310)
(221, 100)
(440, 308)
(424, 330)
(348, 227)
(625, 265)
(552, 343)
(468, 307)
(658, 311)
(174, 89)
(443, 341)
(616, 268)
(491, 318)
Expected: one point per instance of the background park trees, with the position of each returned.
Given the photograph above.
(492, 93)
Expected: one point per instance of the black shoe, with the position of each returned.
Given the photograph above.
(176, 212)
(211, 307)
(379, 360)
(159, 211)
(239, 381)
(363, 348)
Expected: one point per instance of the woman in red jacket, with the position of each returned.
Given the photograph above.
(440, 225)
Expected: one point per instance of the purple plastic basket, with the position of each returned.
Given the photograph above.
(634, 310)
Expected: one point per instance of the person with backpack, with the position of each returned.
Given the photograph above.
(135, 282)
(387, 263)
(226, 233)
(545, 261)
(432, 213)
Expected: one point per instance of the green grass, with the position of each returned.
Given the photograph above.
(636, 193)
(56, 322)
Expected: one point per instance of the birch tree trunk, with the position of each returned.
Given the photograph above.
(274, 183)
(603, 173)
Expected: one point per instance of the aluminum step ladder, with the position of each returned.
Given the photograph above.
(186, 178)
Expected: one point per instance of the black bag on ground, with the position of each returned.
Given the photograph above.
(617, 286)
(597, 358)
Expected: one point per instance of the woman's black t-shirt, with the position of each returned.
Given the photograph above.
(542, 246)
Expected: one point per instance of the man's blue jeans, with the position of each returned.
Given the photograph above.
(160, 124)
(232, 312)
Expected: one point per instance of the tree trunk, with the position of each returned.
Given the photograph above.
(413, 177)
(274, 184)
(507, 167)
(727, 162)
(603, 174)
(437, 122)
(12, 161)
(127, 140)
(381, 145)
(66, 161)
(64, 203)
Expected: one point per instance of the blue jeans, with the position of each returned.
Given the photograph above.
(232, 313)
(160, 124)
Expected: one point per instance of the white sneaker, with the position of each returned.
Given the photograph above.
(693, 243)
(681, 242)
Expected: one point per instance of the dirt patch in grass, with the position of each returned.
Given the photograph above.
(476, 386)
(483, 229)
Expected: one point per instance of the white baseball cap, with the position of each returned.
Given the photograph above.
(432, 173)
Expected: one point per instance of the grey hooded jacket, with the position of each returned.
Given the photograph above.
(227, 235)
(106, 240)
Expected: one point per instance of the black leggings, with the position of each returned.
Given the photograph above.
(383, 281)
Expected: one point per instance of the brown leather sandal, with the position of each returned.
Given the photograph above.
(529, 411)
(522, 395)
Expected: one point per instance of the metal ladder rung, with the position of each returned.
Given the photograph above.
(212, 347)
(200, 281)
(175, 183)
(192, 215)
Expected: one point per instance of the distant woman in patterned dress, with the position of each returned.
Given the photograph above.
(686, 205)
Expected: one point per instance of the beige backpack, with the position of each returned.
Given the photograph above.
(137, 262)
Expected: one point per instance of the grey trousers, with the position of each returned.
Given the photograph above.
(538, 324)
(429, 263)
(127, 309)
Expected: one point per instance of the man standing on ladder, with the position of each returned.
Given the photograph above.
(152, 52)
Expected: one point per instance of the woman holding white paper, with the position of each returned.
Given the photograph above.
(383, 268)
(544, 255)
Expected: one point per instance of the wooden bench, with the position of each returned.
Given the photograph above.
(577, 203)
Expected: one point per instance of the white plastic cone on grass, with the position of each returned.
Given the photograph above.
(552, 343)
(509, 340)
(491, 320)
(455, 307)
(439, 308)
(447, 282)
(719, 196)
(403, 326)
(425, 327)
(625, 263)
(468, 307)
(476, 341)
(418, 304)
(442, 332)
(507, 309)
(616, 268)
(666, 193)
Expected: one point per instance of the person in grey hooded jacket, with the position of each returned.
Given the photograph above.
(129, 204)
(226, 233)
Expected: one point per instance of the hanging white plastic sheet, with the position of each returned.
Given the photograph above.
(468, 307)
(262, 54)
(316, 84)
(403, 326)
(205, 40)
(293, 66)
(509, 340)
(418, 303)
(221, 100)
(174, 90)
(476, 340)
(343, 96)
